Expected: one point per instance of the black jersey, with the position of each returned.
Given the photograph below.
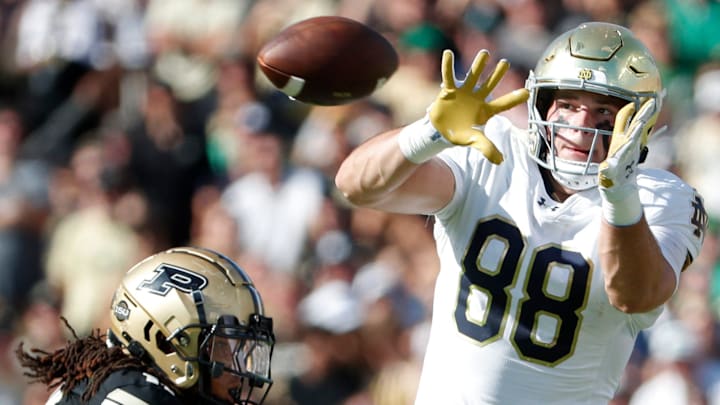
(123, 387)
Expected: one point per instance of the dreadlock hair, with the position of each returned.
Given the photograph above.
(88, 359)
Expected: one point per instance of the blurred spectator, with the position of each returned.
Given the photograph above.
(420, 49)
(77, 31)
(396, 17)
(168, 163)
(391, 313)
(39, 325)
(9, 11)
(333, 369)
(577, 11)
(412, 236)
(58, 42)
(673, 350)
(11, 389)
(480, 19)
(235, 89)
(368, 228)
(94, 93)
(212, 225)
(189, 37)
(327, 134)
(90, 249)
(698, 141)
(649, 24)
(527, 28)
(24, 208)
(272, 202)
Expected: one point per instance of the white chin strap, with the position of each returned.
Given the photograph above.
(577, 182)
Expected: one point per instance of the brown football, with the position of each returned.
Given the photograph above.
(328, 60)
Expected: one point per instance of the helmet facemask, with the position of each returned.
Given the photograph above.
(573, 174)
(237, 354)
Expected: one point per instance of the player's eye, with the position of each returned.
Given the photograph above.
(605, 111)
(565, 105)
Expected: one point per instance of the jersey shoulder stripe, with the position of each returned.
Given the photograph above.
(121, 397)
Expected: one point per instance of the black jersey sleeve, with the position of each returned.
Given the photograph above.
(124, 387)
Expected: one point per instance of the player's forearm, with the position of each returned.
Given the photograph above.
(379, 175)
(637, 276)
(373, 170)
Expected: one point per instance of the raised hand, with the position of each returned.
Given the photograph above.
(461, 110)
(617, 176)
(629, 136)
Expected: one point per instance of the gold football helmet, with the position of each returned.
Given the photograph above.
(197, 316)
(596, 57)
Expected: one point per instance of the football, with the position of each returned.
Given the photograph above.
(328, 60)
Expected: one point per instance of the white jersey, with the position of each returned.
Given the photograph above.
(520, 314)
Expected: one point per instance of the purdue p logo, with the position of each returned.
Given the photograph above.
(169, 277)
(585, 74)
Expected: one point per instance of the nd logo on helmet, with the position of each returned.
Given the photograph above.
(169, 277)
(585, 74)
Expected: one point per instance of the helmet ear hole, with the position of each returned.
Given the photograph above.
(163, 344)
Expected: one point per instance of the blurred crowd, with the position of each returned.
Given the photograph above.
(129, 126)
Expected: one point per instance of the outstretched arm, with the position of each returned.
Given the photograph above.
(397, 171)
(378, 175)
